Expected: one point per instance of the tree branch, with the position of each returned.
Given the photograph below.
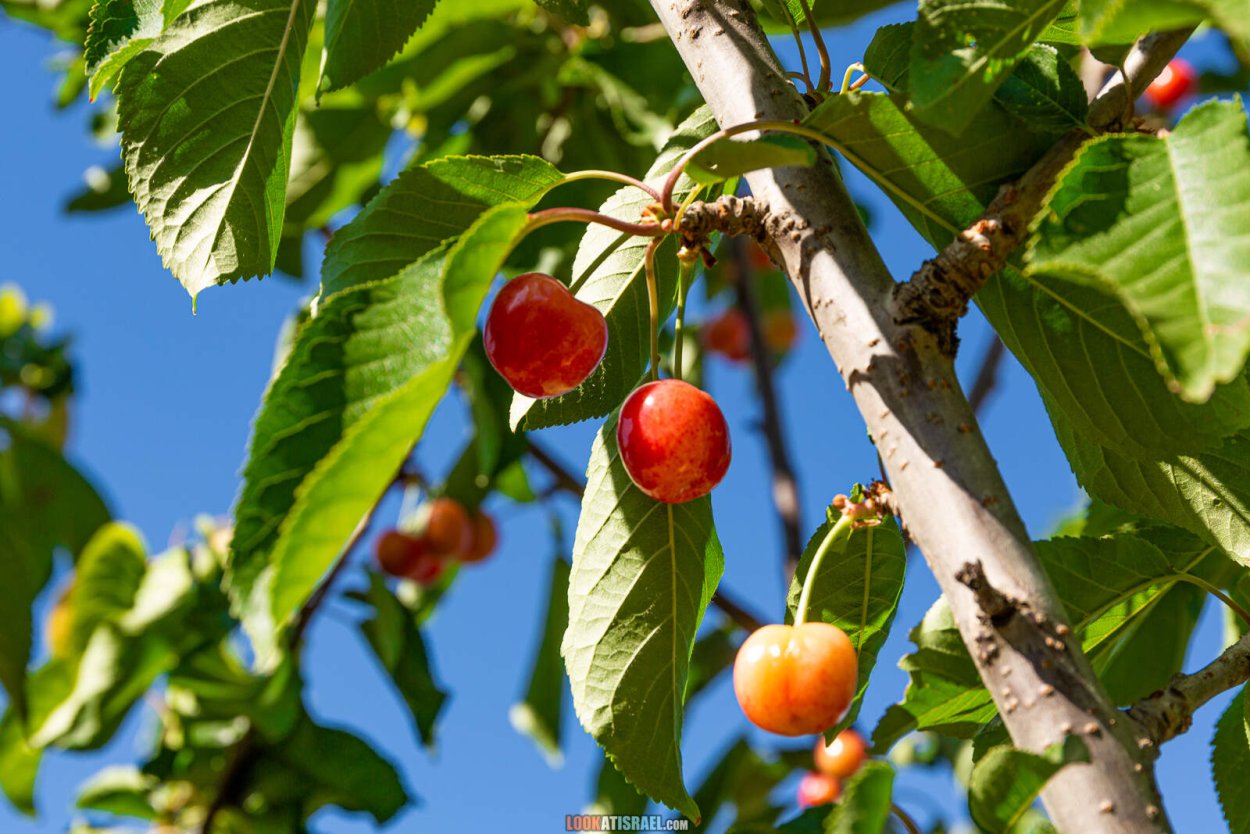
(938, 293)
(566, 481)
(1168, 713)
(986, 380)
(785, 485)
(950, 491)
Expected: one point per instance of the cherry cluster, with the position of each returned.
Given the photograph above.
(445, 531)
(834, 762)
(673, 438)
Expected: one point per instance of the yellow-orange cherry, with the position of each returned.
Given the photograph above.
(796, 680)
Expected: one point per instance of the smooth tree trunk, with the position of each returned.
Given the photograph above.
(947, 485)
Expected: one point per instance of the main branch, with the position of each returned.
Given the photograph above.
(951, 493)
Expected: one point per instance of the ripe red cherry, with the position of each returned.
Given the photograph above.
(843, 756)
(541, 339)
(427, 568)
(1178, 81)
(398, 552)
(796, 680)
(673, 441)
(448, 528)
(818, 789)
(485, 537)
(729, 335)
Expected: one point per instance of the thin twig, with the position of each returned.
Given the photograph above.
(1168, 713)
(904, 819)
(785, 484)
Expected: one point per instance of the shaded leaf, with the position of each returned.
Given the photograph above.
(1230, 760)
(19, 764)
(395, 638)
(1107, 21)
(643, 574)
(573, 11)
(963, 50)
(1006, 782)
(866, 801)
(363, 35)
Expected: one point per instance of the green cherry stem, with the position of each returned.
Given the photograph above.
(611, 176)
(685, 272)
(670, 184)
(825, 69)
(653, 298)
(1240, 612)
(843, 525)
(850, 72)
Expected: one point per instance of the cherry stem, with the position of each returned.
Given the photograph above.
(825, 71)
(546, 217)
(905, 819)
(805, 598)
(806, 74)
(670, 184)
(1218, 594)
(611, 176)
(653, 298)
(686, 260)
(850, 71)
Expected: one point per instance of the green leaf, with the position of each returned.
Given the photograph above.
(395, 637)
(744, 779)
(1109, 21)
(120, 790)
(363, 35)
(336, 157)
(334, 767)
(1230, 760)
(944, 694)
(1006, 782)
(964, 50)
(1158, 223)
(858, 590)
(1044, 93)
(609, 274)
(44, 504)
(936, 179)
(572, 11)
(714, 653)
(726, 159)
(127, 628)
(643, 574)
(539, 713)
(120, 30)
(206, 112)
(866, 801)
(19, 764)
(424, 207)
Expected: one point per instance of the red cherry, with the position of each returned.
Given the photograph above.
(673, 441)
(796, 680)
(1178, 81)
(729, 335)
(485, 538)
(541, 339)
(427, 568)
(397, 552)
(817, 789)
(843, 756)
(448, 528)
(781, 330)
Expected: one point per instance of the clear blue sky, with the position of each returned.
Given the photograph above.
(163, 414)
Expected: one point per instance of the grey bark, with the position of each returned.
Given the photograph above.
(948, 486)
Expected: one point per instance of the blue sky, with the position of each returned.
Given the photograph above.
(163, 415)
